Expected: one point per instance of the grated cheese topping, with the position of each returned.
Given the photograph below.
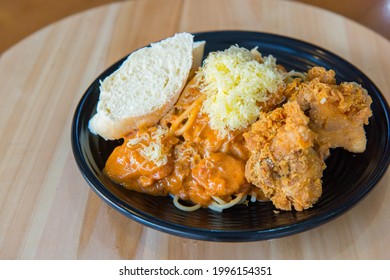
(154, 150)
(235, 81)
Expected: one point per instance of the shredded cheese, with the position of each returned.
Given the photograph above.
(235, 81)
(154, 150)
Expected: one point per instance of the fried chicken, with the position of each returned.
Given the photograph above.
(284, 163)
(289, 144)
(337, 113)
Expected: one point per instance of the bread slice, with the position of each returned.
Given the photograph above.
(144, 87)
(197, 55)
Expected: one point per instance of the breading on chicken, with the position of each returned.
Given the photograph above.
(337, 113)
(284, 163)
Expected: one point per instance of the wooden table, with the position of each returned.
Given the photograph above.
(47, 210)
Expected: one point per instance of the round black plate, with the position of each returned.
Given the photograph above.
(347, 179)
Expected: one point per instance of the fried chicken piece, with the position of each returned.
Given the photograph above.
(323, 76)
(284, 163)
(337, 113)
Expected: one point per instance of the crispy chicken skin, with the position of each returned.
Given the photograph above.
(337, 113)
(284, 163)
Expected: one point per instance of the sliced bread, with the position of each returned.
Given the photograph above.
(144, 87)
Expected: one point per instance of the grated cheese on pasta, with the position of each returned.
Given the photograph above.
(154, 150)
(235, 80)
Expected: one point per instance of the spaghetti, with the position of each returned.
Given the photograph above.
(183, 156)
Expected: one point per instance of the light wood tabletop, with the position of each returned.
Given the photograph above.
(48, 211)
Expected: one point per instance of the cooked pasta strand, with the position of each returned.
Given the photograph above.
(219, 207)
(183, 207)
(193, 110)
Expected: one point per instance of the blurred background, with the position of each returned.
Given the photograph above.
(19, 18)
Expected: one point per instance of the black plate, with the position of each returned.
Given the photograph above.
(347, 179)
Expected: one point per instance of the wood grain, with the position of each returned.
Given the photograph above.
(20, 18)
(47, 210)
